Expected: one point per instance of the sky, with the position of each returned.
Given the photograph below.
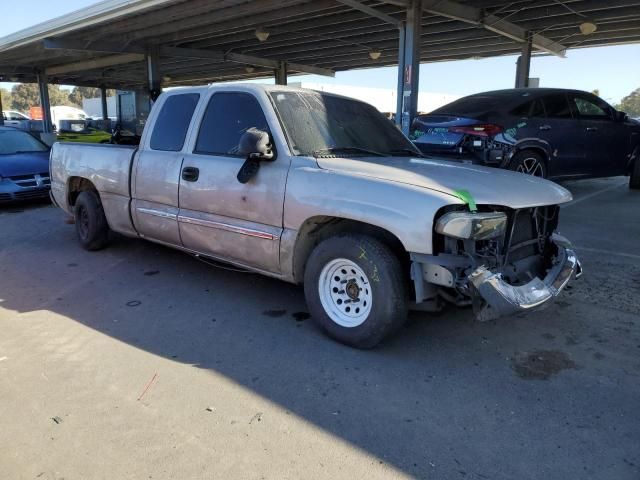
(615, 70)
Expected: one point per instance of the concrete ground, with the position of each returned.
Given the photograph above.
(141, 362)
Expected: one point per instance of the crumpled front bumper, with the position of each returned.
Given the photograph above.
(500, 298)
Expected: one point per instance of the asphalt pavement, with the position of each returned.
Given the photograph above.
(139, 361)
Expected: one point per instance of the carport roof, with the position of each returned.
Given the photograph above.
(201, 41)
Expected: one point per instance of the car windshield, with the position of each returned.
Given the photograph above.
(317, 124)
(15, 141)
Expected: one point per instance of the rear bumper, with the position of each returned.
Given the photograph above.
(500, 298)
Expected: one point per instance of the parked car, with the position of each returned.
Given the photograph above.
(13, 118)
(546, 132)
(314, 188)
(24, 166)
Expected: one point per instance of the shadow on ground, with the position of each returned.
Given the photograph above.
(551, 395)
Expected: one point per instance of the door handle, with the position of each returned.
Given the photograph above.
(190, 174)
(592, 129)
(545, 127)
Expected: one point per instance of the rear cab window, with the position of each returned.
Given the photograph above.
(227, 117)
(172, 123)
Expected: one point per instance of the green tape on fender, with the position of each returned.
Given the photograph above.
(467, 198)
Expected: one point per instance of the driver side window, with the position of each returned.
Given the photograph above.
(227, 117)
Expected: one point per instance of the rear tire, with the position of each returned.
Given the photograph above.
(355, 290)
(91, 224)
(529, 163)
(634, 176)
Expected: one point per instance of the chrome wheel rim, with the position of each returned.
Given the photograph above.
(531, 166)
(345, 292)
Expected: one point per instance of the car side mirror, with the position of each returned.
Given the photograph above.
(621, 116)
(256, 146)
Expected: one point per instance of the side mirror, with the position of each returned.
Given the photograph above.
(621, 116)
(256, 146)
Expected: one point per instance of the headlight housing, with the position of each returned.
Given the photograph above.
(470, 225)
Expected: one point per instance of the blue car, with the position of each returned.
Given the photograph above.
(547, 132)
(24, 166)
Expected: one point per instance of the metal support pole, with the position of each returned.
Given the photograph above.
(105, 110)
(411, 74)
(281, 74)
(401, 39)
(1, 111)
(45, 105)
(523, 64)
(153, 73)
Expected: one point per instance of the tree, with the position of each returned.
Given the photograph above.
(27, 95)
(631, 104)
(596, 92)
(80, 93)
(7, 99)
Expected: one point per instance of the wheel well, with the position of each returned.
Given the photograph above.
(536, 149)
(78, 185)
(316, 229)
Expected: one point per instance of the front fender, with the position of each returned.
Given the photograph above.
(406, 211)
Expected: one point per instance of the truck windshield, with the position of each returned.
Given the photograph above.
(317, 124)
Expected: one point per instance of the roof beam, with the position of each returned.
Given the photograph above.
(493, 23)
(95, 63)
(372, 12)
(476, 16)
(173, 52)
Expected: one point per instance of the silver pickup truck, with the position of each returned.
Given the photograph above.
(323, 190)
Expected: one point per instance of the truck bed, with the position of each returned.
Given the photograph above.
(107, 166)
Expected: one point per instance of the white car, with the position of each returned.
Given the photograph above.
(13, 118)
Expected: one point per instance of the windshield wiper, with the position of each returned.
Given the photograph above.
(334, 150)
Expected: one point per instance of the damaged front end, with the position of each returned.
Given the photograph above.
(500, 261)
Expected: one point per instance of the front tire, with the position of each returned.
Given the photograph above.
(529, 163)
(355, 289)
(91, 224)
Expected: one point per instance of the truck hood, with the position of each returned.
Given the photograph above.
(488, 186)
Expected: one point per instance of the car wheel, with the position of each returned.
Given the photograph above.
(634, 177)
(355, 289)
(91, 224)
(529, 163)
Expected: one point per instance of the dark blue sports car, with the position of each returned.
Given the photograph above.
(546, 132)
(24, 166)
